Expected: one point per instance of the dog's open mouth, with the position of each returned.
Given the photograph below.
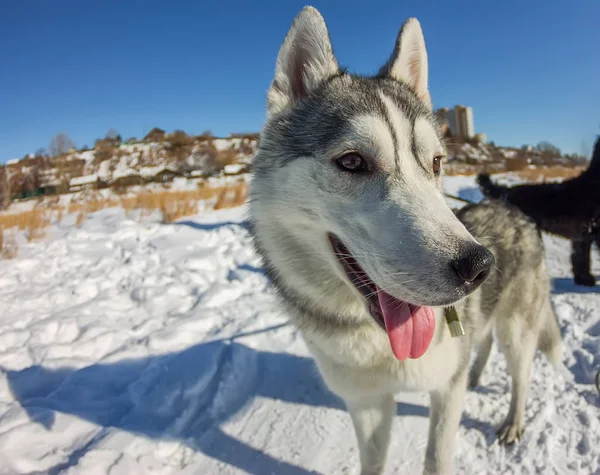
(409, 327)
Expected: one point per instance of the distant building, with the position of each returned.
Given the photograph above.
(459, 120)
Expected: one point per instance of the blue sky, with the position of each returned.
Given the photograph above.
(529, 69)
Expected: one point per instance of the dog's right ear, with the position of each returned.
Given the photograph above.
(409, 60)
(305, 60)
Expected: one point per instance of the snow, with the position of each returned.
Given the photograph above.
(83, 180)
(13, 161)
(227, 144)
(233, 169)
(128, 346)
(463, 187)
(124, 171)
(88, 156)
(150, 172)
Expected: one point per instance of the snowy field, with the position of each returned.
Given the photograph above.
(132, 347)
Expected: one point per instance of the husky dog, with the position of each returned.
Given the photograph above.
(348, 214)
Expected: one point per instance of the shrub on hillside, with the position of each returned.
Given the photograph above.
(516, 164)
(226, 157)
(180, 146)
(179, 139)
(206, 135)
(155, 135)
(104, 150)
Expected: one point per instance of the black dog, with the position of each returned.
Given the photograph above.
(570, 209)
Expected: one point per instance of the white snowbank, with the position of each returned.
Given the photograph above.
(132, 347)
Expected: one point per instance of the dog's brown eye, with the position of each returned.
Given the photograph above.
(437, 164)
(352, 162)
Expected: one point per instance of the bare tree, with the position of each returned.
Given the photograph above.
(546, 148)
(31, 180)
(113, 136)
(60, 144)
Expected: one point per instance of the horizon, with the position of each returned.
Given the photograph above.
(82, 69)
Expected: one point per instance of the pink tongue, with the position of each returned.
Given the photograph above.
(409, 328)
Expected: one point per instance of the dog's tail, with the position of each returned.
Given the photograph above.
(550, 340)
(489, 188)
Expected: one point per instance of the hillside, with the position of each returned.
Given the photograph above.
(160, 157)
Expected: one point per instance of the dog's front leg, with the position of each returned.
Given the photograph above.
(372, 420)
(444, 419)
(580, 262)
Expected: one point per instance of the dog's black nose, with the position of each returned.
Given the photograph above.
(474, 264)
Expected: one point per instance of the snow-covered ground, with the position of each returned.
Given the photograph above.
(132, 347)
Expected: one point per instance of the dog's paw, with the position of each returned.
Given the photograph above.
(587, 280)
(510, 432)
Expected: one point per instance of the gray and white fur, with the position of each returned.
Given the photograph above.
(395, 222)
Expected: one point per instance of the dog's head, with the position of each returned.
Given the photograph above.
(351, 167)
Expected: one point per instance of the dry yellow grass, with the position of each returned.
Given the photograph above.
(33, 221)
(38, 221)
(127, 203)
(74, 208)
(541, 174)
(231, 196)
(97, 203)
(92, 203)
(173, 210)
(461, 169)
(534, 174)
(80, 218)
(173, 205)
(221, 199)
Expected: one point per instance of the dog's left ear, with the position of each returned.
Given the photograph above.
(305, 60)
(408, 62)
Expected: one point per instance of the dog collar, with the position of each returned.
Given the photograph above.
(454, 324)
